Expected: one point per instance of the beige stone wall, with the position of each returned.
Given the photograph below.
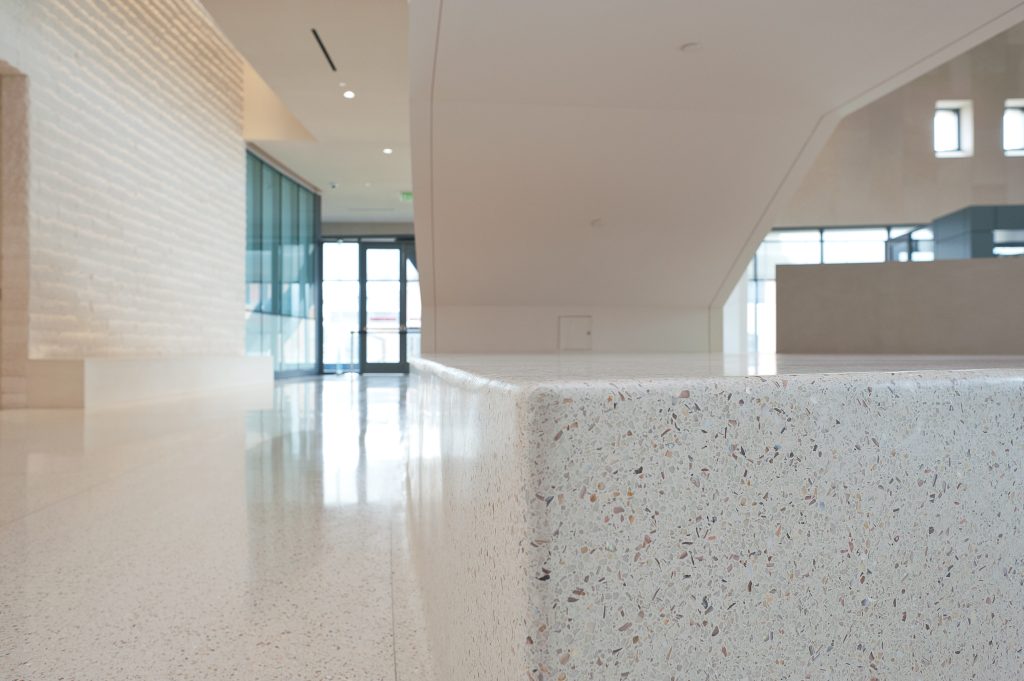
(879, 166)
(958, 307)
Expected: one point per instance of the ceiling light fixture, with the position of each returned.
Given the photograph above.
(348, 94)
(389, 151)
(323, 48)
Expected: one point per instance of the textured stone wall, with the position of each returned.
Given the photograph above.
(13, 238)
(136, 182)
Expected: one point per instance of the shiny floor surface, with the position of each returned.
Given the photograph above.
(208, 540)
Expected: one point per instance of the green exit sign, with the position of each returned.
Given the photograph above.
(407, 197)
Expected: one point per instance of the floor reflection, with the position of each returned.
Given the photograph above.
(209, 540)
(333, 442)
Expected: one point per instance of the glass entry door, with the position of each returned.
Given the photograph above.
(340, 300)
(386, 270)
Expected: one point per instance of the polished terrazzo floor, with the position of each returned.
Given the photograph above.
(211, 540)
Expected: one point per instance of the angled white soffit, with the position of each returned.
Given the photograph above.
(266, 117)
(581, 153)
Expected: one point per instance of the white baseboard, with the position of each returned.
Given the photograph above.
(97, 383)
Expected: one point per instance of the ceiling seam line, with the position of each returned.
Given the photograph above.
(433, 249)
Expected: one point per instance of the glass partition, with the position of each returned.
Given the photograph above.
(280, 271)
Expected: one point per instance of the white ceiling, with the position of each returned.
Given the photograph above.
(575, 149)
(367, 40)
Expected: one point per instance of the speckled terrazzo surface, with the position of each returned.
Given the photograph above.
(215, 539)
(842, 518)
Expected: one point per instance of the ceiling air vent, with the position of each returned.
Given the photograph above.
(323, 48)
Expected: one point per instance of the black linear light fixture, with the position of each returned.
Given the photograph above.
(323, 48)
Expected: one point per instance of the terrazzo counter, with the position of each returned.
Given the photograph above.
(709, 517)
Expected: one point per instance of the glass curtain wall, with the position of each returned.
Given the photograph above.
(281, 270)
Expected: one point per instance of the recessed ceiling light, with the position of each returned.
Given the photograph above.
(389, 151)
(342, 84)
(348, 94)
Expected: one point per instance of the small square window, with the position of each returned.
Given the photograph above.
(1013, 127)
(947, 130)
(953, 129)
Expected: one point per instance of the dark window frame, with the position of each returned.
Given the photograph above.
(958, 112)
(1012, 149)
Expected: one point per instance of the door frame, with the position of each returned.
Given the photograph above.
(402, 365)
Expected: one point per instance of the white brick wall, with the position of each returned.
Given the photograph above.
(137, 178)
